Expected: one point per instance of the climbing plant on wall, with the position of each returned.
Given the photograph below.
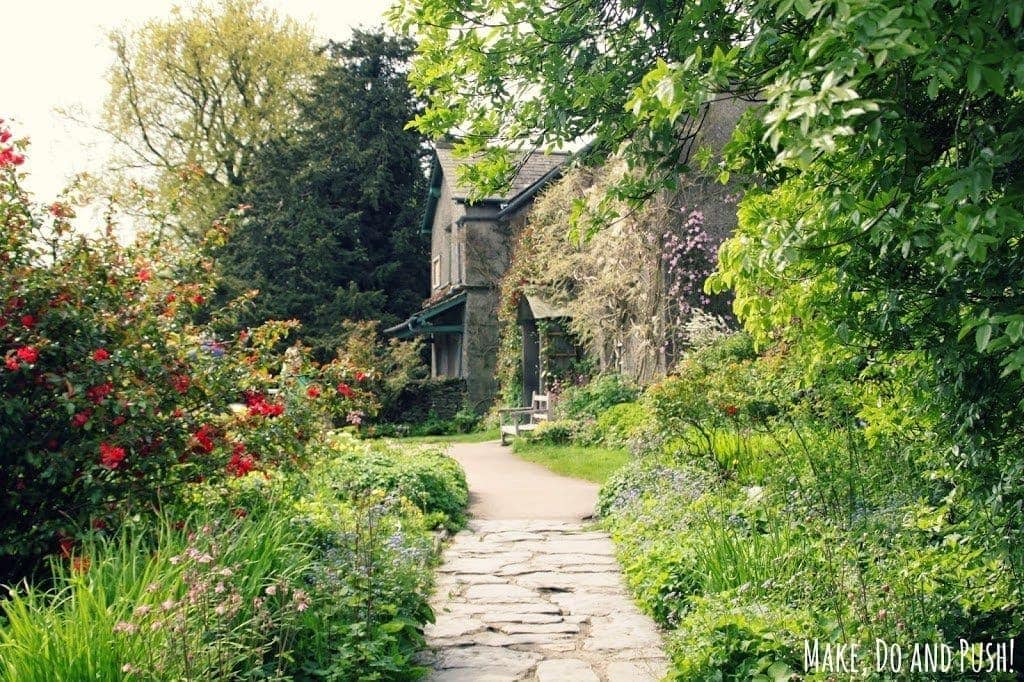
(629, 290)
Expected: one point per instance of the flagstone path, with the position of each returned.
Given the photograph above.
(528, 591)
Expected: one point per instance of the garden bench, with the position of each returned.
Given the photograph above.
(516, 420)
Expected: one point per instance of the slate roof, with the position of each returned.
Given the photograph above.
(535, 166)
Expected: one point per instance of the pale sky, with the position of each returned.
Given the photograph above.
(55, 54)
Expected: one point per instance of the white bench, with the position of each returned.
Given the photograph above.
(516, 420)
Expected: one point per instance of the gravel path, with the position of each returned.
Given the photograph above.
(528, 592)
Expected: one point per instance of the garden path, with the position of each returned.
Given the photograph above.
(528, 591)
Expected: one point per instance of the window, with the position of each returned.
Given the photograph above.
(435, 272)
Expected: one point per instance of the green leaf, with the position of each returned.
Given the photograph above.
(994, 80)
(982, 335)
(1015, 329)
(973, 76)
(1014, 11)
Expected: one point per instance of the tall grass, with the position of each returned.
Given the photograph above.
(177, 604)
(755, 560)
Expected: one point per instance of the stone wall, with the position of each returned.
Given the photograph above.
(480, 348)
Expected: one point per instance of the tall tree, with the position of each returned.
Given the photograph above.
(334, 228)
(194, 97)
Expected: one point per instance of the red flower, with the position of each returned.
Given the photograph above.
(5, 135)
(171, 298)
(118, 420)
(59, 210)
(100, 355)
(240, 463)
(67, 545)
(198, 299)
(257, 404)
(181, 382)
(81, 418)
(313, 391)
(204, 438)
(28, 321)
(144, 274)
(12, 363)
(178, 413)
(360, 376)
(99, 524)
(28, 354)
(731, 410)
(9, 157)
(97, 394)
(111, 456)
(346, 390)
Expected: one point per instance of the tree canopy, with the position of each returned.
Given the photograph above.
(886, 142)
(195, 96)
(333, 229)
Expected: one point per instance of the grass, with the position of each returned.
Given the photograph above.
(589, 463)
(475, 437)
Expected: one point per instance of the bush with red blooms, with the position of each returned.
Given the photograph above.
(113, 401)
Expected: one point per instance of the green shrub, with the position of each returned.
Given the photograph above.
(619, 424)
(596, 396)
(121, 385)
(651, 477)
(718, 640)
(778, 487)
(427, 477)
(554, 432)
(302, 575)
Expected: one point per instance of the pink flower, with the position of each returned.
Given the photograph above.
(125, 626)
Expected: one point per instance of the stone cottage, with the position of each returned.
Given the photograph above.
(471, 246)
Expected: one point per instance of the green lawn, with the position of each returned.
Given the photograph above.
(475, 437)
(589, 463)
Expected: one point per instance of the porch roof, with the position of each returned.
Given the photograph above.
(420, 323)
(533, 307)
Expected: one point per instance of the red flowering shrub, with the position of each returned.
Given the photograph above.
(112, 400)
